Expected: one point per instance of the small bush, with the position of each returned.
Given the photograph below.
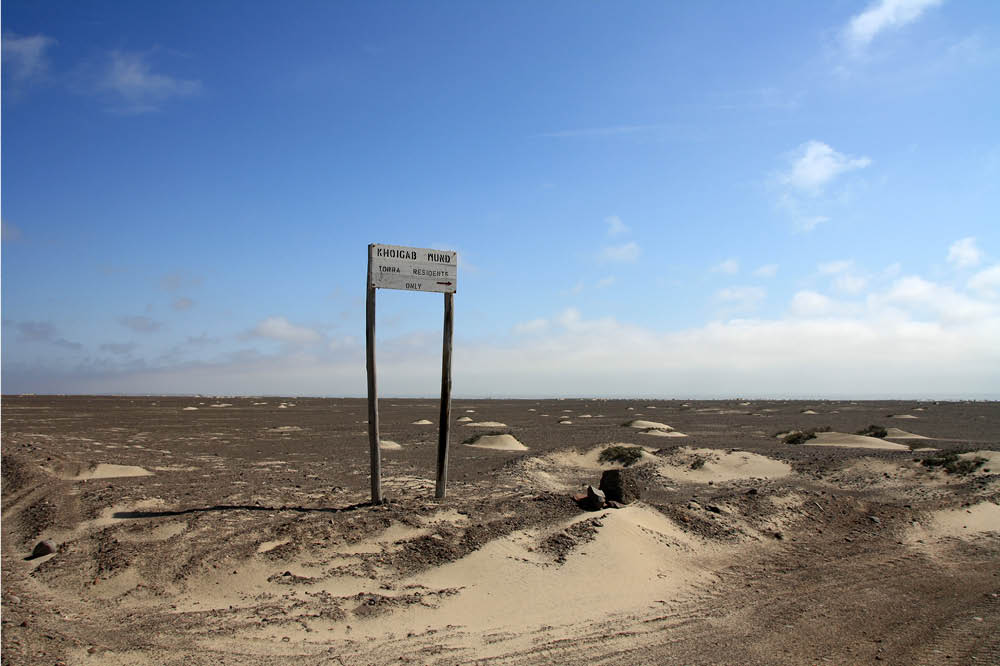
(799, 437)
(626, 455)
(874, 431)
(952, 464)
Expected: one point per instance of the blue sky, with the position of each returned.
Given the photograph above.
(648, 198)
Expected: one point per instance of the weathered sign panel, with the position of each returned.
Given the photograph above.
(413, 268)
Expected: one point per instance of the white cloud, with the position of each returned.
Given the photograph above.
(616, 226)
(627, 253)
(928, 299)
(729, 267)
(882, 15)
(850, 283)
(740, 299)
(140, 324)
(767, 270)
(811, 304)
(987, 281)
(832, 267)
(279, 328)
(810, 223)
(606, 282)
(24, 57)
(137, 89)
(845, 279)
(815, 165)
(964, 253)
(528, 327)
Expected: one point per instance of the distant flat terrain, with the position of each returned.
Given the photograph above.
(207, 530)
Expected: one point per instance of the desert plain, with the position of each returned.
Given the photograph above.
(239, 530)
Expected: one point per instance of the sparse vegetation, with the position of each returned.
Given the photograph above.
(802, 436)
(951, 463)
(626, 455)
(874, 431)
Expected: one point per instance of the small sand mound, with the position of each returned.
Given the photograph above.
(992, 460)
(464, 419)
(718, 466)
(903, 416)
(487, 424)
(655, 432)
(565, 423)
(648, 425)
(808, 411)
(190, 409)
(896, 433)
(423, 422)
(498, 443)
(962, 522)
(222, 404)
(389, 445)
(843, 440)
(285, 429)
(636, 557)
(99, 471)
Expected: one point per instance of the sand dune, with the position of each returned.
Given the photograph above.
(896, 433)
(498, 443)
(463, 419)
(903, 416)
(656, 432)
(648, 425)
(75, 472)
(840, 439)
(487, 424)
(389, 445)
(961, 522)
(719, 466)
(423, 422)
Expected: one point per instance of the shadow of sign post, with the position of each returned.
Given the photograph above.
(410, 269)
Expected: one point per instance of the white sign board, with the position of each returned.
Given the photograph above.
(413, 268)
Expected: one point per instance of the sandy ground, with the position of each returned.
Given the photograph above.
(225, 530)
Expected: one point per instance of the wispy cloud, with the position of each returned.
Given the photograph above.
(140, 324)
(135, 88)
(729, 267)
(767, 270)
(987, 282)
(615, 226)
(42, 332)
(627, 253)
(964, 253)
(740, 299)
(883, 15)
(119, 348)
(815, 164)
(279, 328)
(182, 303)
(24, 57)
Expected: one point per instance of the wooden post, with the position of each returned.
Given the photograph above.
(373, 434)
(442, 458)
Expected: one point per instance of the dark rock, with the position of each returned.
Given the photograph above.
(593, 500)
(715, 508)
(611, 504)
(874, 519)
(44, 547)
(620, 485)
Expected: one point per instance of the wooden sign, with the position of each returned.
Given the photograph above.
(411, 269)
